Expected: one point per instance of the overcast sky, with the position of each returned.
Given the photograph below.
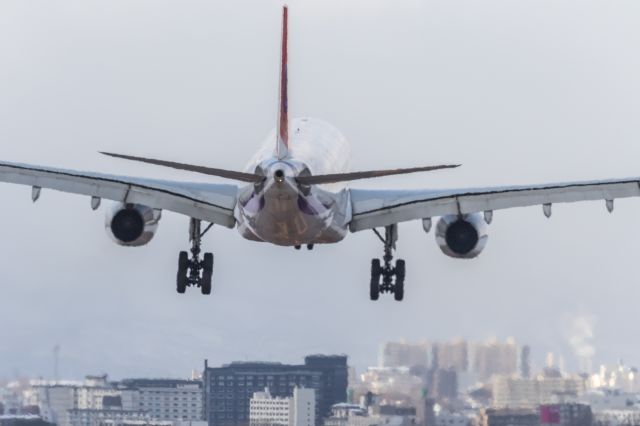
(527, 91)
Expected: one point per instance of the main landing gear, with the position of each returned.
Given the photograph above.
(387, 278)
(193, 271)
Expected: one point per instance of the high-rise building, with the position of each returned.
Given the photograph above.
(298, 410)
(525, 362)
(444, 384)
(403, 354)
(334, 380)
(228, 389)
(451, 355)
(495, 358)
(425, 411)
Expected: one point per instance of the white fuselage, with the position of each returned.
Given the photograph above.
(281, 211)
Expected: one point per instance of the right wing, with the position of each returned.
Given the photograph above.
(376, 208)
(209, 202)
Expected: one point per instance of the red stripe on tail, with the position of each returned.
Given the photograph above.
(283, 111)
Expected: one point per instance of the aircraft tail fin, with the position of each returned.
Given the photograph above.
(282, 136)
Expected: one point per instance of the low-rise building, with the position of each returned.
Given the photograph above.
(22, 420)
(340, 414)
(94, 417)
(164, 399)
(565, 415)
(96, 399)
(620, 417)
(508, 417)
(512, 392)
(298, 410)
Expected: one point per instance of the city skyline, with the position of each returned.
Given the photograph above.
(450, 388)
(474, 352)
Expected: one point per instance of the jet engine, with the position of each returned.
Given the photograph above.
(132, 224)
(462, 236)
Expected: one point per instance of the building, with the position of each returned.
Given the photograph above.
(447, 418)
(628, 417)
(402, 354)
(508, 417)
(342, 412)
(94, 417)
(96, 400)
(22, 420)
(495, 358)
(165, 399)
(444, 384)
(565, 415)
(450, 355)
(228, 389)
(511, 392)
(56, 399)
(610, 399)
(425, 411)
(388, 381)
(298, 410)
(525, 362)
(375, 415)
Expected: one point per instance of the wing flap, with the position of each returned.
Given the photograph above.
(209, 202)
(373, 208)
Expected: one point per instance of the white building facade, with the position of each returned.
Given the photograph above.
(299, 410)
(176, 400)
(96, 401)
(510, 392)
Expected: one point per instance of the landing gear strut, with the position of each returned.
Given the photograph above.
(193, 271)
(387, 278)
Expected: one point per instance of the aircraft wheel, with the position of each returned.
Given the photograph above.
(374, 286)
(398, 291)
(207, 273)
(183, 266)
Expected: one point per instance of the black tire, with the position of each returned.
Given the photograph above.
(207, 262)
(398, 291)
(374, 285)
(205, 283)
(183, 260)
(207, 273)
(183, 266)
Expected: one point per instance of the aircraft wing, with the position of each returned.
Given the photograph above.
(376, 208)
(209, 202)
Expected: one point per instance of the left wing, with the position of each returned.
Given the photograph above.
(375, 208)
(209, 202)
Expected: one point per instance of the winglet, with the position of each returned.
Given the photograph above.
(283, 109)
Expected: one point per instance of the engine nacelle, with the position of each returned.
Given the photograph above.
(131, 224)
(462, 237)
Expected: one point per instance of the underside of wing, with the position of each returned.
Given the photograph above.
(209, 202)
(375, 208)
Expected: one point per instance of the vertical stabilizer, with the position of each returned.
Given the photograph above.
(283, 107)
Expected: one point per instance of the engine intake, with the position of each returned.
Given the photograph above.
(132, 224)
(462, 237)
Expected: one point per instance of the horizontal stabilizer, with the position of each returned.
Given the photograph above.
(228, 174)
(346, 177)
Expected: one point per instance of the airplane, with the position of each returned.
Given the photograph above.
(295, 194)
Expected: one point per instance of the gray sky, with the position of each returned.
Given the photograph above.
(525, 91)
